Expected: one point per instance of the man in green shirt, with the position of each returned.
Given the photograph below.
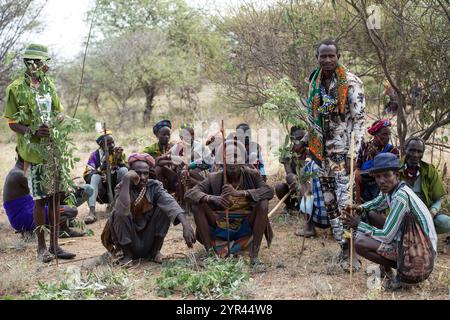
(31, 102)
(424, 180)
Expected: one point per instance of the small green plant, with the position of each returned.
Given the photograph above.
(215, 279)
(101, 284)
(284, 102)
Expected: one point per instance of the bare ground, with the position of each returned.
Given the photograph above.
(289, 273)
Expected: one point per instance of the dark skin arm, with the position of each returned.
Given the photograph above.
(351, 217)
(188, 232)
(124, 195)
(220, 202)
(42, 132)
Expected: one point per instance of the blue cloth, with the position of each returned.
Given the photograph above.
(320, 216)
(442, 223)
(20, 213)
(222, 233)
(369, 163)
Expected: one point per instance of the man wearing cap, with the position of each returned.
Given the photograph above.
(31, 103)
(142, 214)
(246, 197)
(336, 108)
(95, 172)
(365, 186)
(378, 240)
(424, 179)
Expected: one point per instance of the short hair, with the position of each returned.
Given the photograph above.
(327, 42)
(296, 128)
(407, 142)
(242, 126)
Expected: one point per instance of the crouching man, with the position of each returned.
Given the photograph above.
(142, 215)
(379, 241)
(245, 195)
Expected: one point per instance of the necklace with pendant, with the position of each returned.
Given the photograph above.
(140, 196)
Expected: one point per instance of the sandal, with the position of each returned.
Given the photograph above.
(61, 254)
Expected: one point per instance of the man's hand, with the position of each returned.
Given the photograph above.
(228, 191)
(118, 155)
(132, 176)
(219, 202)
(188, 235)
(356, 209)
(43, 131)
(350, 220)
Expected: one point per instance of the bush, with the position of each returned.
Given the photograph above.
(216, 279)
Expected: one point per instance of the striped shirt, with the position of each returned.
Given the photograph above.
(402, 201)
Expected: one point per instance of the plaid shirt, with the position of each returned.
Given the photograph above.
(319, 216)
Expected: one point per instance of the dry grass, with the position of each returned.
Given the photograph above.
(289, 272)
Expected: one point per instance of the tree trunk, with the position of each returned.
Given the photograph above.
(402, 126)
(150, 93)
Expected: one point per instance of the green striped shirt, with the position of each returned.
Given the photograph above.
(400, 202)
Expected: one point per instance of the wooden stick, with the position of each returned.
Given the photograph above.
(352, 180)
(224, 163)
(271, 213)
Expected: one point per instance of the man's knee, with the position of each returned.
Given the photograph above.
(442, 223)
(262, 207)
(281, 189)
(121, 173)
(95, 180)
(198, 209)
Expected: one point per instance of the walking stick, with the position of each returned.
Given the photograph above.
(224, 162)
(108, 166)
(272, 212)
(352, 181)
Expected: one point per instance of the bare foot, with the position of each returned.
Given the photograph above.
(158, 258)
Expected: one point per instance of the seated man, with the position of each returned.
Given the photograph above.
(312, 203)
(253, 154)
(245, 197)
(19, 203)
(365, 186)
(191, 154)
(293, 164)
(95, 173)
(425, 181)
(142, 214)
(378, 241)
(165, 170)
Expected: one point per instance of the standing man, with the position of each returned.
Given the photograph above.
(336, 108)
(31, 102)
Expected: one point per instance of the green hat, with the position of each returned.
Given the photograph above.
(36, 51)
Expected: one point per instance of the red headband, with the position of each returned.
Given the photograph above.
(377, 126)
